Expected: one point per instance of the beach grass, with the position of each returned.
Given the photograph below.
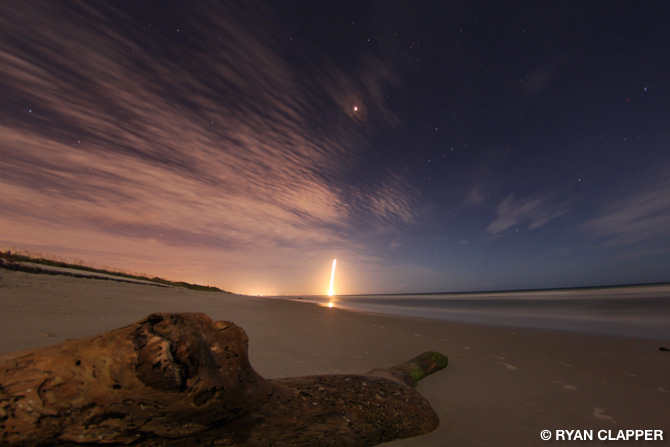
(32, 263)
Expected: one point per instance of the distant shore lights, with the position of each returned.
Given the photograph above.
(332, 279)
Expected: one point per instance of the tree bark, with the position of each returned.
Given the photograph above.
(185, 380)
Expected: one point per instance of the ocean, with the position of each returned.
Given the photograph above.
(628, 311)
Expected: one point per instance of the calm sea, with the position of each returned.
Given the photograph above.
(631, 311)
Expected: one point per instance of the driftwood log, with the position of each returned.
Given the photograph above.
(185, 380)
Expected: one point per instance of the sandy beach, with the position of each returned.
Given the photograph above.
(502, 387)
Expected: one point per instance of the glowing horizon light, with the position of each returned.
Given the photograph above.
(355, 108)
(332, 279)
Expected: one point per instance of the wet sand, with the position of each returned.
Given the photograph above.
(503, 386)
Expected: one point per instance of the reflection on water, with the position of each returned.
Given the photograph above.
(637, 311)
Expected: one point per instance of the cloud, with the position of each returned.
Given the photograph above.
(474, 197)
(395, 244)
(212, 138)
(534, 211)
(208, 140)
(640, 217)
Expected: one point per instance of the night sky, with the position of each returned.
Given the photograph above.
(428, 146)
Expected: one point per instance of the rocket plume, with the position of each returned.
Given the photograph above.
(332, 278)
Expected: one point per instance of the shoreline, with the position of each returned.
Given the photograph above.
(502, 386)
(633, 312)
(544, 293)
(479, 325)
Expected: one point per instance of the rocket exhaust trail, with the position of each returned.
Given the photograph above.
(332, 278)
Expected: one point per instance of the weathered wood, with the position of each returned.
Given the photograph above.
(185, 380)
(414, 370)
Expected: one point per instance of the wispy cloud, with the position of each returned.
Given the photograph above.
(533, 212)
(640, 217)
(474, 197)
(204, 137)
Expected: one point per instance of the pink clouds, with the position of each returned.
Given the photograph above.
(134, 138)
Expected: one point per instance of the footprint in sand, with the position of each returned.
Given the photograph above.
(600, 414)
(567, 387)
(662, 390)
(507, 365)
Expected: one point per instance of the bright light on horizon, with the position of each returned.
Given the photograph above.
(332, 279)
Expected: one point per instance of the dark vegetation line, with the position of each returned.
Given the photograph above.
(13, 261)
(41, 271)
